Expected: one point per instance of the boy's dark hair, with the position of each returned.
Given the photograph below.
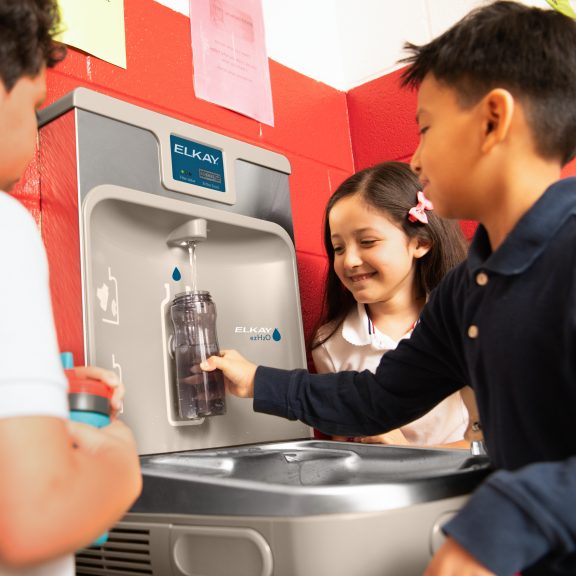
(26, 44)
(391, 188)
(528, 51)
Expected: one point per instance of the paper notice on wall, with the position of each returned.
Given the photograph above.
(567, 7)
(95, 26)
(230, 59)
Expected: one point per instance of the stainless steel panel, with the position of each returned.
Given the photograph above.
(304, 478)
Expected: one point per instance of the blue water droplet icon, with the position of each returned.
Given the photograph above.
(276, 335)
(176, 274)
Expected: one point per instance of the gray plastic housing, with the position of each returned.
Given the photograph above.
(130, 206)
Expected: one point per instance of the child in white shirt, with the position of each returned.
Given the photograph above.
(387, 250)
(62, 483)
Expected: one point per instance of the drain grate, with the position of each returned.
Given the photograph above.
(126, 553)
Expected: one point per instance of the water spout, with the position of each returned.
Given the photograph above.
(190, 232)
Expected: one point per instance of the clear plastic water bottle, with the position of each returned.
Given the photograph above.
(199, 393)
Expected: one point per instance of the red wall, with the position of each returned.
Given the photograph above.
(382, 121)
(383, 125)
(311, 130)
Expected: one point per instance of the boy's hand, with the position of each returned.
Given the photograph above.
(110, 378)
(453, 560)
(238, 372)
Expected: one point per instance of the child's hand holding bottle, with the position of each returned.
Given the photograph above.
(108, 377)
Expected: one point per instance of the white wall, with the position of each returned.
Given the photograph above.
(345, 43)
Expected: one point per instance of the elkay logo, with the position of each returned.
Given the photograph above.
(259, 333)
(196, 154)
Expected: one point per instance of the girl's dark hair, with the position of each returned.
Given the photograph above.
(26, 44)
(390, 188)
(528, 51)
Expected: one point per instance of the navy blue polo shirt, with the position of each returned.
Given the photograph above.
(503, 322)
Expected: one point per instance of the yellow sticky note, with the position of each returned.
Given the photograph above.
(95, 26)
(564, 6)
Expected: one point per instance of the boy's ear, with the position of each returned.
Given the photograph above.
(497, 110)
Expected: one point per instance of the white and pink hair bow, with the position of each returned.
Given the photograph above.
(418, 212)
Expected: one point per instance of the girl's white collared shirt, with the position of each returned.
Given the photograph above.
(358, 345)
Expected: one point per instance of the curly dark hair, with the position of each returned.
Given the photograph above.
(27, 28)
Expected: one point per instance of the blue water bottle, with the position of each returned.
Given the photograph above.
(90, 402)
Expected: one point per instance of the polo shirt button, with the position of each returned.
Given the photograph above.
(481, 278)
(473, 331)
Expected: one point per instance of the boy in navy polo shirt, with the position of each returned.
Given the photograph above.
(497, 117)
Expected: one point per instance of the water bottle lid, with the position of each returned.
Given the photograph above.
(87, 385)
(87, 394)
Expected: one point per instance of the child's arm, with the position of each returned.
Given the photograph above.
(55, 497)
(515, 518)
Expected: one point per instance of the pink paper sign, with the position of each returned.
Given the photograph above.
(229, 54)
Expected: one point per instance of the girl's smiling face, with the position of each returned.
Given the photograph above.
(373, 257)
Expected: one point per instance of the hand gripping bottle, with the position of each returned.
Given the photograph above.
(89, 402)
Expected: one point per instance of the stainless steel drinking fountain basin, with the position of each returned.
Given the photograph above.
(304, 478)
(300, 508)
